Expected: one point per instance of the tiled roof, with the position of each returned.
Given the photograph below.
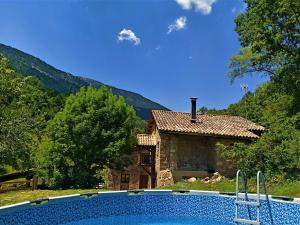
(219, 125)
(146, 140)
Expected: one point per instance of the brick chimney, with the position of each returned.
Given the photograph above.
(193, 109)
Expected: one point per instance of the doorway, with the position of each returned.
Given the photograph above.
(143, 181)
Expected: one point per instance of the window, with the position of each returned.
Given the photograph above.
(125, 178)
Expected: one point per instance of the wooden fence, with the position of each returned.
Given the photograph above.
(18, 181)
(18, 185)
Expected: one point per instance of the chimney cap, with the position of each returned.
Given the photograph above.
(194, 98)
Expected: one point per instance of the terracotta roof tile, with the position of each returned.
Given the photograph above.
(223, 125)
(146, 140)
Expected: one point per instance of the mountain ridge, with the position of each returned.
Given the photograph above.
(67, 83)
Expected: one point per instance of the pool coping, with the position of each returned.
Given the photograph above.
(64, 198)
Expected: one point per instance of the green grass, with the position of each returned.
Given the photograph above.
(285, 188)
(12, 197)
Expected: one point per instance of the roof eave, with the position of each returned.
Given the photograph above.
(209, 134)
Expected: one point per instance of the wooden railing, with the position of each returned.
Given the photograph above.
(18, 185)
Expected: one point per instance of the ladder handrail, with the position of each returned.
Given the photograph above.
(260, 177)
(241, 174)
(244, 181)
(263, 181)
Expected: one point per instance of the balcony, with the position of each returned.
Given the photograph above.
(145, 159)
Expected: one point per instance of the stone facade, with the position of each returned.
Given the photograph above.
(194, 155)
(134, 171)
(188, 156)
(165, 178)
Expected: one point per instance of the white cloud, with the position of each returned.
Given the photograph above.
(157, 47)
(128, 35)
(233, 10)
(178, 24)
(202, 6)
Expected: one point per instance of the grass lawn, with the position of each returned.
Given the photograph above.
(226, 185)
(12, 197)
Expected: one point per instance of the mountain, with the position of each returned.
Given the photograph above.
(67, 83)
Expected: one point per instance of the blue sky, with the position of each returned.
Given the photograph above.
(167, 51)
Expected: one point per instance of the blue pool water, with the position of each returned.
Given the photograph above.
(163, 207)
(147, 220)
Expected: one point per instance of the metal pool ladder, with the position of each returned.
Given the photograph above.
(239, 202)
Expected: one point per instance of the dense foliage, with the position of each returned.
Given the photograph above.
(67, 143)
(277, 151)
(95, 129)
(269, 32)
(67, 83)
(25, 107)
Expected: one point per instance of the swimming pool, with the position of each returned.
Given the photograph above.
(148, 220)
(153, 207)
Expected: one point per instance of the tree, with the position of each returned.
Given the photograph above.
(25, 107)
(277, 151)
(269, 32)
(203, 110)
(95, 129)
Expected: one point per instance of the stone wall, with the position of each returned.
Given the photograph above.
(159, 156)
(192, 156)
(165, 178)
(134, 170)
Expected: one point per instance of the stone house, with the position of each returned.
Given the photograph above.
(178, 145)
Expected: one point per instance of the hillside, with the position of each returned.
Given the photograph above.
(67, 83)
